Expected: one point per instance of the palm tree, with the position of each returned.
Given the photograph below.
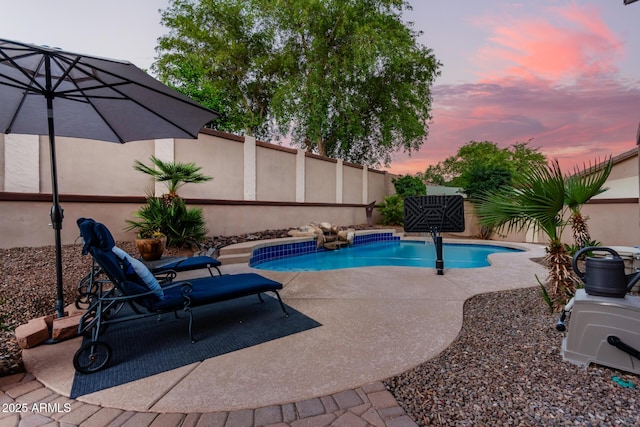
(540, 199)
(174, 174)
(168, 214)
(580, 187)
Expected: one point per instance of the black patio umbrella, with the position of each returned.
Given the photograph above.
(47, 91)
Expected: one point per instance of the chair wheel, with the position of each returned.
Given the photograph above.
(91, 357)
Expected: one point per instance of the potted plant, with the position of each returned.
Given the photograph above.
(151, 244)
(168, 214)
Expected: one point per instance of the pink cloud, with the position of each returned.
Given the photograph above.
(554, 80)
(574, 42)
(572, 123)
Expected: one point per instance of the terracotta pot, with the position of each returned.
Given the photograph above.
(151, 249)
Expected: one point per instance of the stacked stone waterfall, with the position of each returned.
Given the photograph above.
(327, 235)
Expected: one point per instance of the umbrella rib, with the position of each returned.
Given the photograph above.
(27, 89)
(69, 67)
(31, 79)
(113, 86)
(122, 82)
(59, 60)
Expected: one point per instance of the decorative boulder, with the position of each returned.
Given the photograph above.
(327, 235)
(346, 235)
(325, 227)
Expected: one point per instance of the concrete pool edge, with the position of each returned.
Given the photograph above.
(239, 253)
(242, 252)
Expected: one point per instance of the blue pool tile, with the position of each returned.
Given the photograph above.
(291, 249)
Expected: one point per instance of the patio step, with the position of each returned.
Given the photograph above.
(234, 258)
(238, 248)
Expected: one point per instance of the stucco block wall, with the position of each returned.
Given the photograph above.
(352, 184)
(27, 224)
(95, 167)
(229, 220)
(623, 180)
(291, 188)
(625, 168)
(320, 181)
(221, 220)
(376, 188)
(276, 171)
(220, 158)
(256, 185)
(1, 160)
(612, 224)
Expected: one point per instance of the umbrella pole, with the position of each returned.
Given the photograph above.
(56, 223)
(56, 209)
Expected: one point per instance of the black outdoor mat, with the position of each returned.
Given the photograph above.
(145, 347)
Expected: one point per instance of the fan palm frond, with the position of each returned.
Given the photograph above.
(174, 174)
(586, 183)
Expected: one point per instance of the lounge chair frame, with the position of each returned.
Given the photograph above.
(97, 235)
(180, 296)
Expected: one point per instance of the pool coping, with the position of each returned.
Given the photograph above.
(243, 252)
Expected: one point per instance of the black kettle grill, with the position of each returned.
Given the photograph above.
(604, 277)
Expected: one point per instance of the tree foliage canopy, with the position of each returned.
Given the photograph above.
(408, 185)
(481, 157)
(342, 78)
(220, 53)
(482, 178)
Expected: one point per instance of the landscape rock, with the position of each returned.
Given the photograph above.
(32, 333)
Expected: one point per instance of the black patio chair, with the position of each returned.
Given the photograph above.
(97, 235)
(151, 299)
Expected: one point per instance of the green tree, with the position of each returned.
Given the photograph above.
(453, 171)
(408, 185)
(346, 79)
(539, 200)
(392, 210)
(435, 175)
(221, 53)
(480, 179)
(360, 87)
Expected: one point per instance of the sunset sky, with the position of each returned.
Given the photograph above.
(565, 73)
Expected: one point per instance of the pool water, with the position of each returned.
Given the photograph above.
(395, 253)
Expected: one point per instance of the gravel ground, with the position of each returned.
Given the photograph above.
(504, 368)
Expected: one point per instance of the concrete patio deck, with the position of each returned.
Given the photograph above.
(376, 322)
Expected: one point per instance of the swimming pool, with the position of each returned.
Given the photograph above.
(386, 253)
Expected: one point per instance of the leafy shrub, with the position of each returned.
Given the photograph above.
(408, 185)
(171, 217)
(573, 248)
(392, 211)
